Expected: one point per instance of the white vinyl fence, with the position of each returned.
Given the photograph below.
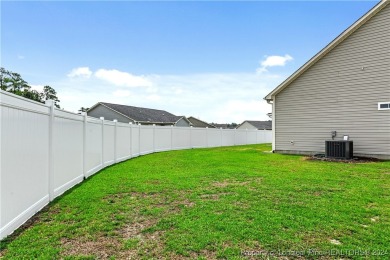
(46, 151)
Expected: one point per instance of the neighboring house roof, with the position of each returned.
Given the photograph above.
(267, 125)
(328, 48)
(141, 114)
(199, 123)
(225, 126)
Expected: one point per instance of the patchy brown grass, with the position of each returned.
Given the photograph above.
(146, 244)
(226, 183)
(214, 196)
(102, 247)
(3, 252)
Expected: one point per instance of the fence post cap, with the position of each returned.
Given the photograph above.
(49, 102)
(101, 118)
(115, 120)
(83, 113)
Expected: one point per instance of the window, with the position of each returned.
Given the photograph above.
(384, 106)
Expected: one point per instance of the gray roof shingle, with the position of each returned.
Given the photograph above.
(141, 114)
(199, 123)
(261, 124)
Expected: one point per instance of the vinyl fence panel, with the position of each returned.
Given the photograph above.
(251, 136)
(109, 143)
(147, 139)
(135, 138)
(94, 146)
(68, 152)
(213, 137)
(181, 138)
(198, 137)
(228, 137)
(162, 140)
(24, 160)
(267, 137)
(241, 136)
(123, 144)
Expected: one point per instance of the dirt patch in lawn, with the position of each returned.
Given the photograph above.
(207, 254)
(111, 198)
(214, 196)
(226, 183)
(184, 203)
(322, 157)
(102, 247)
(135, 239)
(136, 228)
(3, 252)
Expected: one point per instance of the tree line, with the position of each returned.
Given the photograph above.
(14, 83)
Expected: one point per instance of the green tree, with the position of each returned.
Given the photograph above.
(33, 95)
(4, 79)
(14, 83)
(83, 109)
(50, 93)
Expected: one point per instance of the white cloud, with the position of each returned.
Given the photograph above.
(20, 57)
(81, 72)
(273, 61)
(124, 79)
(38, 88)
(121, 93)
(153, 97)
(177, 90)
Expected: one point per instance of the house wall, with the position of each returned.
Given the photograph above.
(246, 125)
(182, 123)
(199, 123)
(108, 114)
(341, 93)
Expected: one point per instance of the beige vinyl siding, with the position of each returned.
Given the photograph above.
(183, 123)
(246, 125)
(336, 94)
(108, 114)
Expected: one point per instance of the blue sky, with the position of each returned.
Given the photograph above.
(212, 60)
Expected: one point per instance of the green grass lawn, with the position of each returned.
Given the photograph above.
(215, 203)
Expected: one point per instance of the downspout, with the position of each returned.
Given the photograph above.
(273, 102)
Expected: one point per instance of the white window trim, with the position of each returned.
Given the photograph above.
(380, 103)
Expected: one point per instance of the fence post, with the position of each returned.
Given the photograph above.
(171, 137)
(102, 118)
(51, 103)
(207, 136)
(220, 129)
(115, 138)
(246, 131)
(191, 145)
(84, 143)
(139, 139)
(154, 138)
(131, 139)
(235, 136)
